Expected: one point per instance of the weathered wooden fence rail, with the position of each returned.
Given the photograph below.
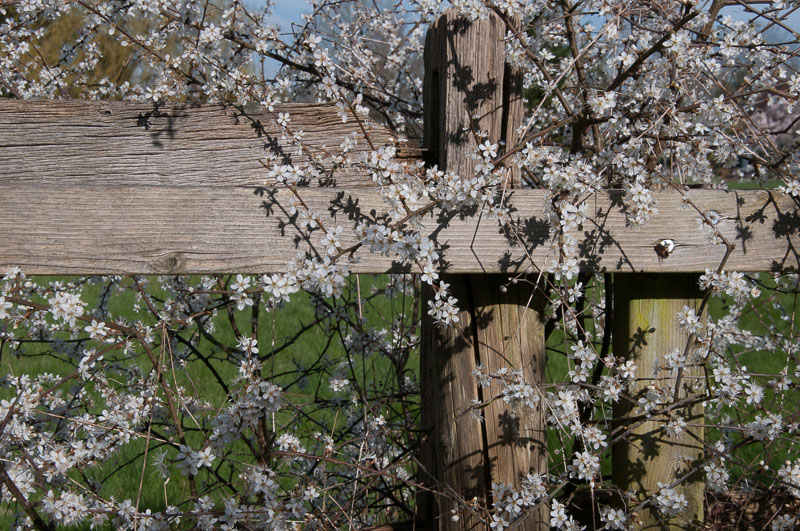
(127, 227)
(114, 188)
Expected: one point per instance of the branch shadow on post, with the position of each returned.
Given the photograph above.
(474, 438)
(645, 330)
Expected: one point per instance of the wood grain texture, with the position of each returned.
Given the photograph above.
(469, 88)
(474, 447)
(645, 330)
(459, 459)
(64, 142)
(460, 61)
(95, 228)
(508, 333)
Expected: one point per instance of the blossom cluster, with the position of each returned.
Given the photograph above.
(279, 433)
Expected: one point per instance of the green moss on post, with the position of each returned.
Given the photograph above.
(646, 329)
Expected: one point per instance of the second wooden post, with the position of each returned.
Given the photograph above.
(659, 450)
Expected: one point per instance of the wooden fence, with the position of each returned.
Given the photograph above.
(123, 188)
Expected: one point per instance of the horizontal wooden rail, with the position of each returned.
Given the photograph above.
(146, 229)
(119, 187)
(66, 142)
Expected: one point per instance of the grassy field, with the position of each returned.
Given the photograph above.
(294, 334)
(275, 333)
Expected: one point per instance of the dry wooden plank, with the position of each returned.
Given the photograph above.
(513, 339)
(145, 229)
(469, 86)
(63, 142)
(459, 463)
(448, 356)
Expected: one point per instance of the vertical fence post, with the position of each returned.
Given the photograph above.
(466, 79)
(645, 330)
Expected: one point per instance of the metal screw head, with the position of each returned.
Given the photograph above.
(664, 248)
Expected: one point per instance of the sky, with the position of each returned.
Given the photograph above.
(283, 14)
(287, 11)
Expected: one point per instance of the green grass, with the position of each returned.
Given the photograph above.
(275, 330)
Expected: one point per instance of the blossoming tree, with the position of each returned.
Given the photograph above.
(291, 399)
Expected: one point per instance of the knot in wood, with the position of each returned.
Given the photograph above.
(172, 263)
